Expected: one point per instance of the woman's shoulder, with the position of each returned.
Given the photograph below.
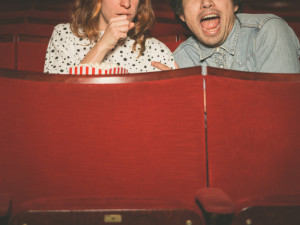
(63, 28)
(152, 41)
(64, 32)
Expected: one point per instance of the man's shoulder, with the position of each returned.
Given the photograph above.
(256, 20)
(191, 42)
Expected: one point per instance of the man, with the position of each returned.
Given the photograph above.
(225, 38)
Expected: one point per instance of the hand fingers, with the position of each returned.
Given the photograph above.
(118, 18)
(117, 26)
(176, 66)
(160, 66)
(121, 21)
(131, 25)
(116, 30)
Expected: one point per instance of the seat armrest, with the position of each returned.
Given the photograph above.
(215, 201)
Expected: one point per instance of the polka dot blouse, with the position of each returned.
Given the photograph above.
(66, 50)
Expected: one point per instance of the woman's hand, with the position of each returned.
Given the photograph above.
(116, 30)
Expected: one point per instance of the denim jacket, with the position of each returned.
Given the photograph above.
(257, 43)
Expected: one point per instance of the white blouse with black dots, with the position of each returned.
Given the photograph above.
(66, 50)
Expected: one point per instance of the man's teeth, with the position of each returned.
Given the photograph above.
(210, 16)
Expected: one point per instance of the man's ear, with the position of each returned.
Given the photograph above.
(236, 7)
(182, 17)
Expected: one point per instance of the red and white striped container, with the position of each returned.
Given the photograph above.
(100, 69)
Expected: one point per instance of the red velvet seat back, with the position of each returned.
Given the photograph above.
(136, 139)
(15, 25)
(7, 51)
(42, 26)
(172, 41)
(31, 52)
(167, 26)
(253, 130)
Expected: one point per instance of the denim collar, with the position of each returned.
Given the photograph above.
(229, 45)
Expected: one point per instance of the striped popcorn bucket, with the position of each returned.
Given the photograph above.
(90, 70)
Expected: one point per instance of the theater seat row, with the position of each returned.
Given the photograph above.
(44, 26)
(27, 52)
(39, 18)
(150, 146)
(23, 52)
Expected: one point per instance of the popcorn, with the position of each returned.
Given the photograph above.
(97, 69)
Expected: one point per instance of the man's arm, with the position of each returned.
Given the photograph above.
(276, 48)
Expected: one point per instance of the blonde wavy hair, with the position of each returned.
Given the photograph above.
(85, 21)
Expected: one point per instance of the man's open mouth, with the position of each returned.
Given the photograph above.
(210, 22)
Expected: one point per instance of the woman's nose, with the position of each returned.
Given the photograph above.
(126, 3)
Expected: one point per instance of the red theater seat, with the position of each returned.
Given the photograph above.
(166, 26)
(137, 136)
(58, 5)
(164, 14)
(163, 10)
(12, 25)
(253, 131)
(294, 23)
(280, 8)
(252, 148)
(41, 26)
(7, 51)
(31, 52)
(52, 10)
(13, 10)
(172, 41)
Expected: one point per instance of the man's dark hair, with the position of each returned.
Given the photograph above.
(177, 8)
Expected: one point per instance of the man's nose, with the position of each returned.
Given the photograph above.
(206, 4)
(126, 3)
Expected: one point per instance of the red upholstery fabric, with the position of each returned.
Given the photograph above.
(52, 9)
(31, 52)
(7, 51)
(172, 45)
(295, 26)
(253, 132)
(172, 41)
(143, 139)
(166, 28)
(281, 8)
(164, 14)
(41, 26)
(12, 26)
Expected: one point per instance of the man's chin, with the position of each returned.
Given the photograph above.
(211, 40)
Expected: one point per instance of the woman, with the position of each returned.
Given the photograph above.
(112, 31)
